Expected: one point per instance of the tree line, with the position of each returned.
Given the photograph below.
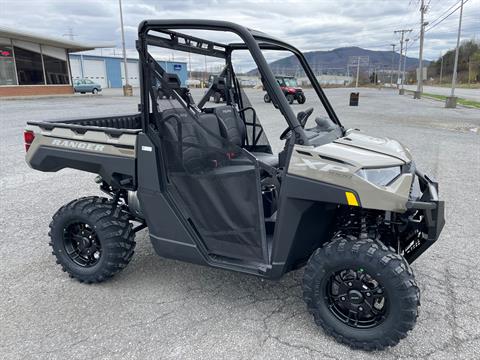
(468, 70)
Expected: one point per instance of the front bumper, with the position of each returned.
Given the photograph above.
(432, 212)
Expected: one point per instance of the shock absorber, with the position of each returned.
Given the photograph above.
(363, 225)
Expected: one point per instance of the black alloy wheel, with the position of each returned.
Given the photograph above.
(356, 298)
(82, 245)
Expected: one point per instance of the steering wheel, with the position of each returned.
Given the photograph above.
(302, 117)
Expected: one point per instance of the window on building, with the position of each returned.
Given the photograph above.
(29, 67)
(55, 70)
(7, 65)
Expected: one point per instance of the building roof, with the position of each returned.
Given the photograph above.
(71, 46)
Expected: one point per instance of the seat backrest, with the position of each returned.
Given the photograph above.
(197, 146)
(213, 136)
(231, 124)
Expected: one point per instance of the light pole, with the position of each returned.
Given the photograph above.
(405, 61)
(358, 72)
(127, 89)
(441, 69)
(189, 67)
(451, 101)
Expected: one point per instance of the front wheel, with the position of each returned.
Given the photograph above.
(92, 239)
(95, 91)
(266, 98)
(361, 293)
(290, 98)
(301, 99)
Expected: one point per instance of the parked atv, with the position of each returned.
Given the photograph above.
(352, 209)
(290, 89)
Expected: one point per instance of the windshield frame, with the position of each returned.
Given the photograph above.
(268, 43)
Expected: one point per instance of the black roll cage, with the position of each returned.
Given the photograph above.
(254, 42)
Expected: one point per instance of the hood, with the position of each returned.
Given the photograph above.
(296, 88)
(382, 145)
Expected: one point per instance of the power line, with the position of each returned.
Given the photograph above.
(70, 34)
(444, 12)
(438, 23)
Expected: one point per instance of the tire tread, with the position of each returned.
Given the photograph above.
(112, 226)
(370, 251)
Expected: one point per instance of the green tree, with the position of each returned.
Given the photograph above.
(469, 53)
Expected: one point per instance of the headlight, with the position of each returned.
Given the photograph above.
(379, 177)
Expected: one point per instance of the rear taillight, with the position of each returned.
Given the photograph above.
(28, 137)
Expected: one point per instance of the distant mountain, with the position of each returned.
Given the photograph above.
(336, 60)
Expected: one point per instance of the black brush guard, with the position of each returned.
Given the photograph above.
(433, 211)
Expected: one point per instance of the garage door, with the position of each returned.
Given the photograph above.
(133, 74)
(96, 71)
(76, 68)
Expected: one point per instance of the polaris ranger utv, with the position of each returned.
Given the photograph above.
(290, 89)
(352, 208)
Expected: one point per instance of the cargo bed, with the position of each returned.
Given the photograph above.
(103, 145)
(124, 123)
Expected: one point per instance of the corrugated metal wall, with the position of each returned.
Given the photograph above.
(114, 69)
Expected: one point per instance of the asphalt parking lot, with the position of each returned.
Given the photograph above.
(159, 308)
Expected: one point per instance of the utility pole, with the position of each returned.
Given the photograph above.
(127, 89)
(423, 9)
(469, 70)
(402, 32)
(451, 101)
(405, 61)
(441, 69)
(393, 59)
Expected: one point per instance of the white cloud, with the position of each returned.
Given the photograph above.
(309, 25)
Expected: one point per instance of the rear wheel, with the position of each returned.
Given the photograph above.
(91, 239)
(361, 293)
(266, 98)
(290, 98)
